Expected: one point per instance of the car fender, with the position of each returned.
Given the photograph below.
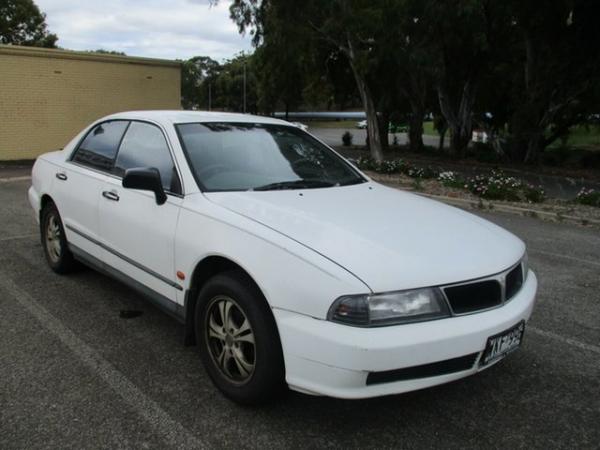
(290, 275)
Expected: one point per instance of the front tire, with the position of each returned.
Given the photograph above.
(238, 339)
(54, 241)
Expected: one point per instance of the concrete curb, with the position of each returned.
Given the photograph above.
(483, 205)
(11, 179)
(487, 205)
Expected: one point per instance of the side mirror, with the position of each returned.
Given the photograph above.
(145, 179)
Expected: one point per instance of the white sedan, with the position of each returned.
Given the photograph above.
(285, 264)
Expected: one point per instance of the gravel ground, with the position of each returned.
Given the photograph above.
(75, 375)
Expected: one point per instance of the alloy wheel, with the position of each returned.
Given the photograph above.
(53, 238)
(230, 339)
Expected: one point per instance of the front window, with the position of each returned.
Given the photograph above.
(242, 156)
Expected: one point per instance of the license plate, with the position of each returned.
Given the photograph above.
(500, 345)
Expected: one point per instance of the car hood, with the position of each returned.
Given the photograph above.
(388, 238)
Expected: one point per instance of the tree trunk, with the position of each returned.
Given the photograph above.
(460, 122)
(459, 140)
(373, 135)
(442, 138)
(415, 130)
(417, 97)
(535, 146)
(384, 121)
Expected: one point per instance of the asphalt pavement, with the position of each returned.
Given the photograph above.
(73, 374)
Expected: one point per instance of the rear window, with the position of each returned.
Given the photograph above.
(99, 148)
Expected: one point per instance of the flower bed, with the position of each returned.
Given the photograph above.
(588, 197)
(494, 186)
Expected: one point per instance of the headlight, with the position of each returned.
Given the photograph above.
(389, 308)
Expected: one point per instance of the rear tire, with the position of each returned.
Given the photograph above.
(54, 241)
(238, 339)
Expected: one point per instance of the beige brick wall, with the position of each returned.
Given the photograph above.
(48, 96)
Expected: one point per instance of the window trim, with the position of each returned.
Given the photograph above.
(109, 172)
(203, 188)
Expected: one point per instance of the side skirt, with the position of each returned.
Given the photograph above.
(163, 303)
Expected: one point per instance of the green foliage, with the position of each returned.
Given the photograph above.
(588, 197)
(498, 186)
(483, 152)
(451, 179)
(347, 139)
(197, 74)
(525, 72)
(22, 23)
(107, 52)
(206, 84)
(396, 166)
(495, 186)
(534, 194)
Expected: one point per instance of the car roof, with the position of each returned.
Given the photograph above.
(180, 116)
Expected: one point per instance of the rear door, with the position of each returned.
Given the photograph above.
(78, 186)
(139, 234)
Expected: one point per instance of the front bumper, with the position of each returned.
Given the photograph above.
(327, 358)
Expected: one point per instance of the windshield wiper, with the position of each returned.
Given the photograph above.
(296, 184)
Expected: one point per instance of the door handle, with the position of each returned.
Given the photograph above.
(61, 176)
(111, 195)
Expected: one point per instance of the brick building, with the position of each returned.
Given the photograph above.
(48, 96)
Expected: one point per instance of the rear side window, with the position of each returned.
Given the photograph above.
(99, 148)
(144, 145)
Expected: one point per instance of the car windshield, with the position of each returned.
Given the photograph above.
(260, 157)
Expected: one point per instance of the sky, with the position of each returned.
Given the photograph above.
(170, 29)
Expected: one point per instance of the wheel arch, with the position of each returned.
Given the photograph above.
(203, 271)
(45, 200)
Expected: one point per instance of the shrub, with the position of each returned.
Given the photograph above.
(534, 194)
(365, 163)
(395, 166)
(483, 152)
(496, 186)
(347, 139)
(422, 172)
(588, 197)
(451, 179)
(590, 160)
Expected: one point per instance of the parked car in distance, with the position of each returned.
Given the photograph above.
(287, 266)
(479, 136)
(361, 124)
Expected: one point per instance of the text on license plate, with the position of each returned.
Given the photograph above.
(501, 344)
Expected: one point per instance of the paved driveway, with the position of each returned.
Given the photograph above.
(73, 374)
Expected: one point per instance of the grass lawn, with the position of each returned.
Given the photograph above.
(428, 129)
(583, 137)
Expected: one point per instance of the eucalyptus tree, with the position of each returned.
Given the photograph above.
(557, 82)
(347, 26)
(22, 23)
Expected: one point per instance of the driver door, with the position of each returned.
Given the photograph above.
(139, 234)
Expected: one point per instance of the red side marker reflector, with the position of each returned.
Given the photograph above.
(180, 275)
